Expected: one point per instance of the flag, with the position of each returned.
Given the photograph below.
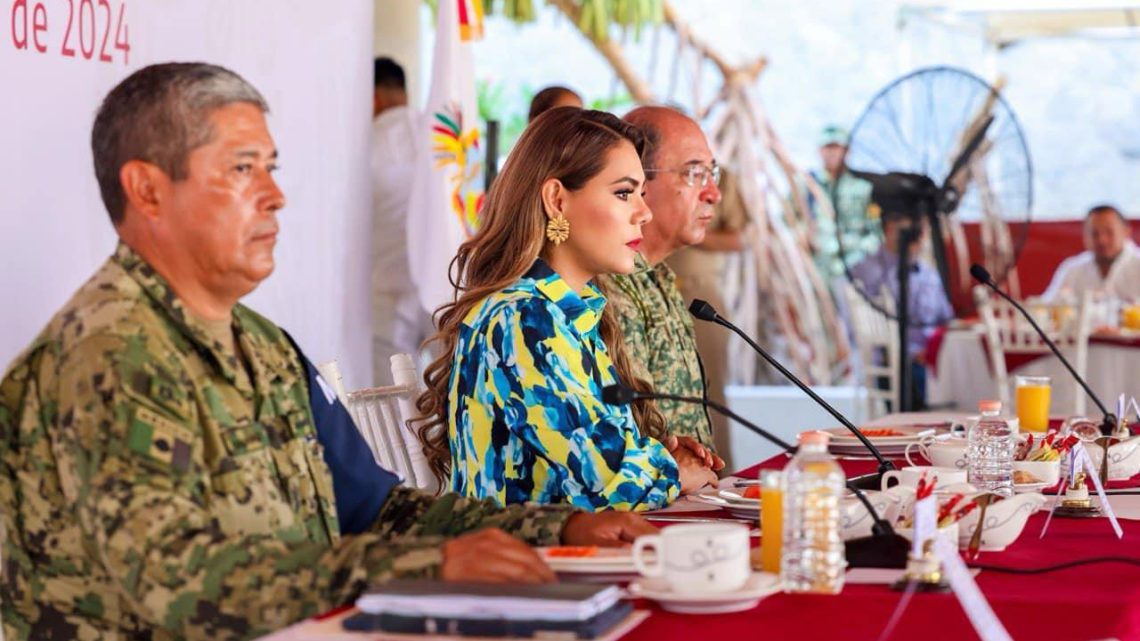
(448, 187)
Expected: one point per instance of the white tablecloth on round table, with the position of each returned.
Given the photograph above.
(963, 375)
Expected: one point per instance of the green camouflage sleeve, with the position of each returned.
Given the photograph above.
(149, 532)
(631, 316)
(409, 512)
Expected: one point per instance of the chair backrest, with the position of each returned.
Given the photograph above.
(330, 371)
(381, 415)
(876, 337)
(1008, 332)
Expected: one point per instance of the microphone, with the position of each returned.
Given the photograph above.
(1108, 423)
(707, 312)
(622, 395)
(884, 548)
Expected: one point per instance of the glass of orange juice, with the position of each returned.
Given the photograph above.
(1130, 317)
(1033, 396)
(771, 519)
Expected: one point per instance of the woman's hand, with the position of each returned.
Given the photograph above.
(695, 475)
(708, 459)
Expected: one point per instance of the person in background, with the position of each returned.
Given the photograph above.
(513, 407)
(927, 304)
(681, 191)
(700, 271)
(850, 199)
(161, 474)
(551, 97)
(400, 323)
(1110, 264)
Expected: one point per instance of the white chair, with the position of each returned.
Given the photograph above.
(877, 339)
(1008, 332)
(381, 415)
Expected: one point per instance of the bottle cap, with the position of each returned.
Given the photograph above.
(989, 406)
(814, 437)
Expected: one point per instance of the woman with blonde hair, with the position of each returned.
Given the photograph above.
(513, 405)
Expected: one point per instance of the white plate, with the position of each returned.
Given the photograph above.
(603, 561)
(759, 585)
(736, 495)
(841, 436)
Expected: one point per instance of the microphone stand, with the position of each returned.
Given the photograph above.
(1108, 422)
(706, 312)
(884, 548)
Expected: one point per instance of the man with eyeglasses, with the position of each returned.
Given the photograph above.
(681, 189)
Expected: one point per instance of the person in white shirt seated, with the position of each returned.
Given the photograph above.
(1110, 267)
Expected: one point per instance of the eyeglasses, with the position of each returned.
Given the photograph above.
(694, 173)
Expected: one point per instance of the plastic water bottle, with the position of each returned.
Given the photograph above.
(989, 451)
(812, 559)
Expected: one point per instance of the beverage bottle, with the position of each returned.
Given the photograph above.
(989, 451)
(812, 558)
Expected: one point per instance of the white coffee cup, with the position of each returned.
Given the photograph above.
(909, 476)
(941, 453)
(697, 557)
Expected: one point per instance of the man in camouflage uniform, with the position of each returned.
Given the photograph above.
(162, 478)
(681, 189)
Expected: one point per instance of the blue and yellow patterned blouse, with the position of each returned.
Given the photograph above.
(527, 422)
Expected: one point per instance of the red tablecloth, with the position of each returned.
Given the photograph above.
(1079, 604)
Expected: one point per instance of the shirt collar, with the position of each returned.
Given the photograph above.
(191, 326)
(583, 311)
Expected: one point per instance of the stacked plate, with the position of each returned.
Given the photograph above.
(891, 441)
(733, 500)
(590, 564)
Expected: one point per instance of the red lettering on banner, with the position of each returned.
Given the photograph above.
(28, 22)
(122, 39)
(65, 50)
(103, 57)
(39, 25)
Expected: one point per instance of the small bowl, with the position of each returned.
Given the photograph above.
(1047, 472)
(1004, 521)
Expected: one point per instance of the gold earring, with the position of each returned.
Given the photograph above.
(558, 229)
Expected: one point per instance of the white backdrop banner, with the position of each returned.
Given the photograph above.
(311, 61)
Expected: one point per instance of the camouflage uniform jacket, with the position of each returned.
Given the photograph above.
(148, 492)
(658, 332)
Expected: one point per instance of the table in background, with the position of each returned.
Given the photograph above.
(962, 375)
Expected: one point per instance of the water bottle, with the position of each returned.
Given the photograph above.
(812, 558)
(989, 451)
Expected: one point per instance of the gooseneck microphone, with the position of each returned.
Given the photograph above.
(706, 312)
(622, 395)
(1108, 423)
(884, 548)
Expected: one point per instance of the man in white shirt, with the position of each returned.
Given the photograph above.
(400, 323)
(1110, 266)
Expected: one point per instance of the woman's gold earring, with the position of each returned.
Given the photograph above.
(558, 229)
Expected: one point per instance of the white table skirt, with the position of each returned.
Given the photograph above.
(963, 375)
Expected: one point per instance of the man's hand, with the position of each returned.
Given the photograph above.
(609, 529)
(706, 457)
(493, 556)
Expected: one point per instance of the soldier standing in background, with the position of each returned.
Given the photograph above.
(162, 473)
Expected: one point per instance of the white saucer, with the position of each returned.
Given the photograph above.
(759, 585)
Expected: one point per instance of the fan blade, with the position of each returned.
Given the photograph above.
(968, 151)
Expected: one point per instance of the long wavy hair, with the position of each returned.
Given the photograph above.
(565, 143)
